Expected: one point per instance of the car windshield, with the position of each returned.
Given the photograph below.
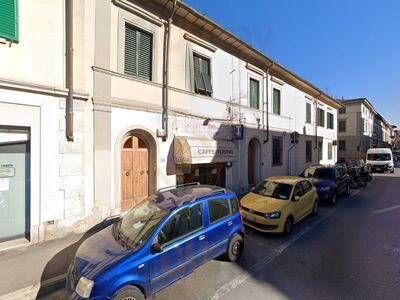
(320, 173)
(140, 222)
(379, 156)
(273, 189)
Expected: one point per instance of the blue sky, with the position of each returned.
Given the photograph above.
(347, 48)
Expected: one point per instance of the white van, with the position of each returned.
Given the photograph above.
(380, 159)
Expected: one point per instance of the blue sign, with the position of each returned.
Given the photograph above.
(238, 132)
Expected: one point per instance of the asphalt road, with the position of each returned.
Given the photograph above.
(349, 251)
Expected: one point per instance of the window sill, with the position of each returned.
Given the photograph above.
(277, 165)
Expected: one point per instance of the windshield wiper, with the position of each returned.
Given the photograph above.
(120, 237)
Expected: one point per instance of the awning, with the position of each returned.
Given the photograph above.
(202, 151)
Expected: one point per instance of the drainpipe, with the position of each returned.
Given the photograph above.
(316, 120)
(267, 102)
(69, 47)
(167, 41)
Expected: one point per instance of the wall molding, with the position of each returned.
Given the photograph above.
(196, 40)
(255, 69)
(138, 11)
(277, 80)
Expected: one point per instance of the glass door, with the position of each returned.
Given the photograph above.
(14, 183)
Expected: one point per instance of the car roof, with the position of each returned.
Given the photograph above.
(379, 150)
(326, 167)
(285, 179)
(170, 198)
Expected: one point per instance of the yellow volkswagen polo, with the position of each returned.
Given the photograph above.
(279, 202)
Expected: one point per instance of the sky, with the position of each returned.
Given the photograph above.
(347, 48)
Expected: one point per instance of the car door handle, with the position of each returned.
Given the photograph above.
(230, 223)
(202, 237)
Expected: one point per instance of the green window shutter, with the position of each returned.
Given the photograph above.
(138, 52)
(207, 82)
(202, 78)
(254, 93)
(276, 109)
(308, 113)
(9, 20)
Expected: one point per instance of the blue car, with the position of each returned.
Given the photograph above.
(163, 239)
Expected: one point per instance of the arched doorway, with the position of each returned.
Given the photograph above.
(135, 173)
(253, 161)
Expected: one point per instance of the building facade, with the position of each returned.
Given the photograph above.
(361, 127)
(216, 111)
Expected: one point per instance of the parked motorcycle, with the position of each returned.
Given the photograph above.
(366, 173)
(356, 178)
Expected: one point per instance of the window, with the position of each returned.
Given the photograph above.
(9, 20)
(321, 117)
(218, 209)
(276, 102)
(330, 151)
(234, 205)
(254, 93)
(308, 113)
(308, 151)
(306, 186)
(182, 223)
(202, 75)
(273, 189)
(342, 126)
(330, 121)
(298, 190)
(320, 148)
(342, 145)
(276, 151)
(138, 52)
(342, 110)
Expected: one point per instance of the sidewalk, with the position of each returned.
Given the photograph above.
(38, 268)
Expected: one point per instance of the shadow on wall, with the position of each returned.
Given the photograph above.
(53, 276)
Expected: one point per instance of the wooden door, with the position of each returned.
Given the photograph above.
(135, 172)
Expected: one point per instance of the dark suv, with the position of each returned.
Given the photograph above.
(161, 240)
(330, 181)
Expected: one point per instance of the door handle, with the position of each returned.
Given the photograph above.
(230, 223)
(202, 237)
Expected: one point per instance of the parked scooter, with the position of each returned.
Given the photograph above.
(356, 178)
(366, 173)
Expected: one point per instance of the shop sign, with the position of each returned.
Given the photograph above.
(7, 171)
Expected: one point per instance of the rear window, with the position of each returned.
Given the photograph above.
(218, 209)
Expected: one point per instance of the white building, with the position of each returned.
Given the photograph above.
(227, 117)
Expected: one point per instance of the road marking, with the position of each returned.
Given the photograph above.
(355, 193)
(380, 211)
(395, 250)
(238, 280)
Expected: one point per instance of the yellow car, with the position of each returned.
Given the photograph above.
(279, 202)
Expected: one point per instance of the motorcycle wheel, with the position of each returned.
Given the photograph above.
(362, 182)
(354, 184)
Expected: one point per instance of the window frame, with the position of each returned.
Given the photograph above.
(273, 101)
(321, 121)
(185, 235)
(152, 49)
(196, 89)
(330, 124)
(342, 110)
(330, 151)
(341, 143)
(252, 79)
(281, 151)
(345, 125)
(308, 113)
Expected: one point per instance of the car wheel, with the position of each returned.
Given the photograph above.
(333, 198)
(315, 209)
(392, 171)
(287, 229)
(235, 248)
(128, 293)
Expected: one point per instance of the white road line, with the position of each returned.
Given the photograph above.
(379, 211)
(355, 193)
(238, 280)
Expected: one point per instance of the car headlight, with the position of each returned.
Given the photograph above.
(84, 287)
(273, 215)
(324, 189)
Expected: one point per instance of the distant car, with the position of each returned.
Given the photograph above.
(159, 241)
(380, 160)
(279, 202)
(330, 181)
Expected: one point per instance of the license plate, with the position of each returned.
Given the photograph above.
(249, 218)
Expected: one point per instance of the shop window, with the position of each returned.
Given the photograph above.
(181, 224)
(320, 150)
(308, 151)
(218, 209)
(276, 151)
(330, 150)
(138, 52)
(254, 93)
(202, 75)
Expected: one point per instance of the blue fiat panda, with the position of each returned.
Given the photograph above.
(159, 241)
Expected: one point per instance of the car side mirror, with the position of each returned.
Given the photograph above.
(156, 248)
(296, 198)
